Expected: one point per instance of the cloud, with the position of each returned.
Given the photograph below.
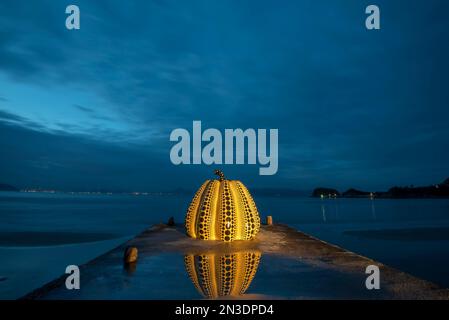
(348, 103)
(84, 109)
(15, 120)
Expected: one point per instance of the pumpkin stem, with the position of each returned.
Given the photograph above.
(220, 174)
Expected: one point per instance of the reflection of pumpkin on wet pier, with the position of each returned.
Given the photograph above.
(222, 210)
(220, 275)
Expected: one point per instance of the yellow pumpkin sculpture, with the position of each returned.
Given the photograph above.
(222, 210)
(220, 275)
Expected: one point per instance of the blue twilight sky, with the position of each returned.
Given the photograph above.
(94, 108)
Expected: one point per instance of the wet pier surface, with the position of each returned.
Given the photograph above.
(281, 263)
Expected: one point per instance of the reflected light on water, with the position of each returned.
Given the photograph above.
(218, 275)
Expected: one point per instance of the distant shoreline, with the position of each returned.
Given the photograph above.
(262, 195)
(436, 191)
(88, 193)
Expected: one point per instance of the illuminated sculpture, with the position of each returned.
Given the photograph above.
(219, 275)
(222, 210)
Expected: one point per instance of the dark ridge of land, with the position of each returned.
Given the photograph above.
(354, 193)
(293, 265)
(440, 190)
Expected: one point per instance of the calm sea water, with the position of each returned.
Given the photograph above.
(40, 234)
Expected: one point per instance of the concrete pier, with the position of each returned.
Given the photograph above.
(281, 263)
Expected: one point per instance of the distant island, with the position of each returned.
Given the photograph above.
(325, 192)
(440, 190)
